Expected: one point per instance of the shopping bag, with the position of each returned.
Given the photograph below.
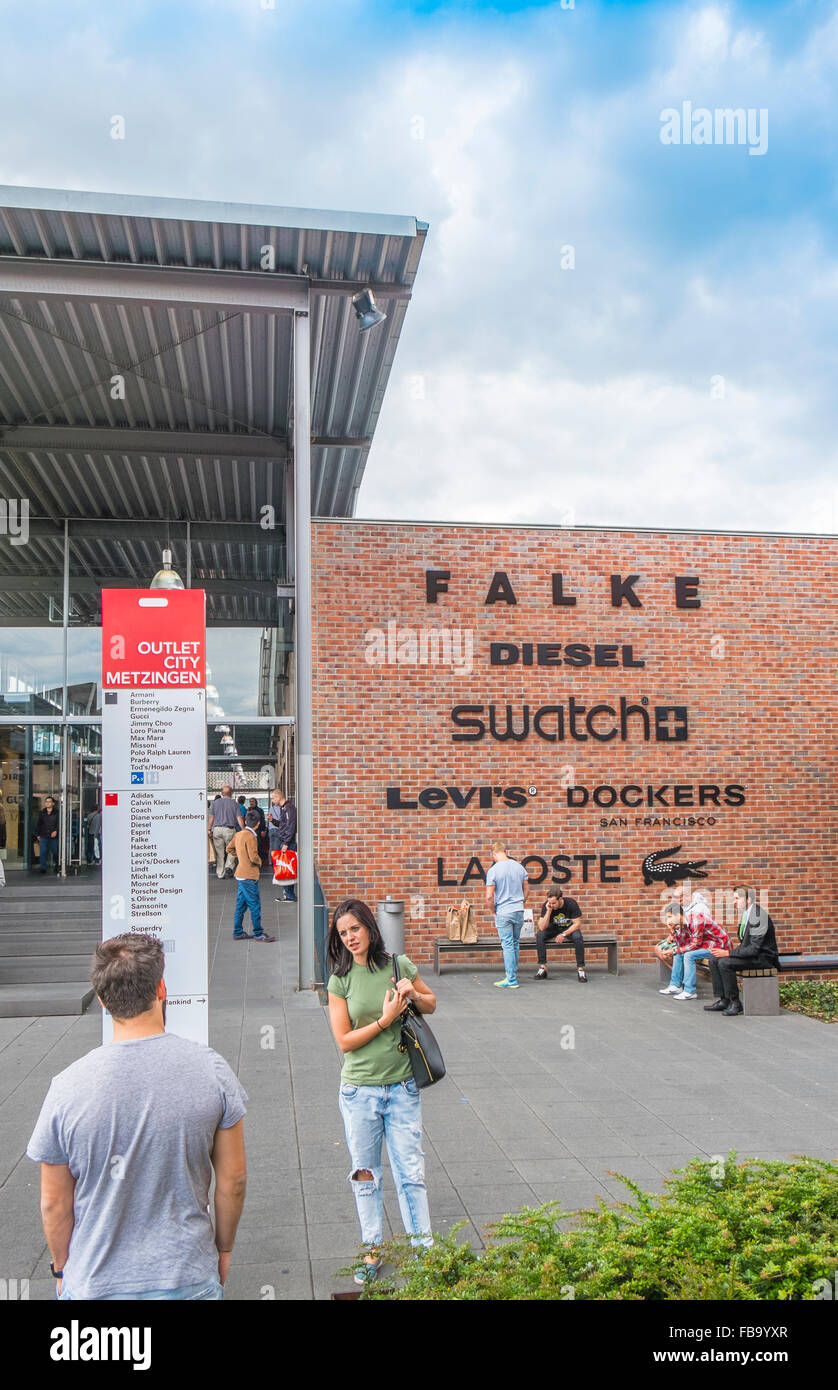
(528, 929)
(468, 933)
(459, 923)
(452, 924)
(285, 865)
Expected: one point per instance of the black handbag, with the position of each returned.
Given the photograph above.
(419, 1043)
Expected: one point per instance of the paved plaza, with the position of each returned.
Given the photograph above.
(549, 1089)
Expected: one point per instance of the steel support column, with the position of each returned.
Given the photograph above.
(303, 662)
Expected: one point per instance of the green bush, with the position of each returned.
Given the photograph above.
(753, 1230)
(817, 998)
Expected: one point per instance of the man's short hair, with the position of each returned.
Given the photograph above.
(498, 847)
(750, 893)
(125, 973)
(252, 819)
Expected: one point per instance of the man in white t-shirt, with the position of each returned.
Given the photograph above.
(507, 891)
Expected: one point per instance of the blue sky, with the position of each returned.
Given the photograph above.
(681, 373)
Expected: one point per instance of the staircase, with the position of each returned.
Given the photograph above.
(49, 928)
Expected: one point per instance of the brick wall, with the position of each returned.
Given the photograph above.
(753, 665)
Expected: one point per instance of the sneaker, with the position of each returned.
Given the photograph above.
(263, 936)
(718, 1006)
(670, 989)
(506, 984)
(541, 974)
(365, 1273)
(682, 994)
(242, 936)
(582, 976)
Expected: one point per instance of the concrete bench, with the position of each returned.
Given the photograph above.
(607, 941)
(801, 962)
(760, 988)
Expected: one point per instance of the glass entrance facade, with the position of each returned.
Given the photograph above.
(50, 692)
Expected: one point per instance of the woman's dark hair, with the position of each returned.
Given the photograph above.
(340, 958)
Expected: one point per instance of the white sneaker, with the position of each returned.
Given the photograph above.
(682, 994)
(670, 989)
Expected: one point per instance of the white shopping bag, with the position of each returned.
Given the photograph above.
(528, 929)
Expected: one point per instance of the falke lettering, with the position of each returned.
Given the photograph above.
(487, 798)
(572, 719)
(575, 654)
(670, 794)
(622, 590)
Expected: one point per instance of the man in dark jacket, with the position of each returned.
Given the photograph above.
(46, 831)
(757, 950)
(282, 828)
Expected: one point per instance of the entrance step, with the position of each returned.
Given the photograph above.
(57, 910)
(54, 944)
(40, 1000)
(44, 969)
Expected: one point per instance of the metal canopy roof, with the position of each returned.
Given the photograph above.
(146, 377)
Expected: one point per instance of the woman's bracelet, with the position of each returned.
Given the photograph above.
(378, 1021)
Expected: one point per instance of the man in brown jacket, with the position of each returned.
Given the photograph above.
(246, 847)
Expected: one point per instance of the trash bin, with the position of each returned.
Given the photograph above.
(390, 918)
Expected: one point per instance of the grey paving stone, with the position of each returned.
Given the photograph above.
(327, 1281)
(272, 1282)
(544, 1145)
(269, 1244)
(576, 1196)
(479, 1174)
(506, 1196)
(562, 1171)
(335, 1240)
(591, 1145)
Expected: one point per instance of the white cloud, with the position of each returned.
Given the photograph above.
(634, 450)
(595, 380)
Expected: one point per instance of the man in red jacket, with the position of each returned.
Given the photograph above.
(699, 935)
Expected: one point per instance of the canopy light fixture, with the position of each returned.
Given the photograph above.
(166, 578)
(366, 311)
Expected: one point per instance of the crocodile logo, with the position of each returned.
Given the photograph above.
(659, 868)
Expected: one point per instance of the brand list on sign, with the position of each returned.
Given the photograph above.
(154, 775)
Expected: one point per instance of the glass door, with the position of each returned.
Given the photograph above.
(83, 798)
(30, 773)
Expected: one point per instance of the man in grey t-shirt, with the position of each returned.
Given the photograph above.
(128, 1138)
(507, 890)
(225, 821)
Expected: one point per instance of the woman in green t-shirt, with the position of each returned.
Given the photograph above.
(379, 1100)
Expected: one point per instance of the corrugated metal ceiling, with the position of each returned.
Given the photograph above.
(219, 373)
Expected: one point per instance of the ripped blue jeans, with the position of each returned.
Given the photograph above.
(393, 1114)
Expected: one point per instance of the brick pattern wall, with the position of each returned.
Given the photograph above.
(754, 665)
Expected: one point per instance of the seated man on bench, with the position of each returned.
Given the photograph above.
(757, 950)
(672, 917)
(697, 938)
(558, 914)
